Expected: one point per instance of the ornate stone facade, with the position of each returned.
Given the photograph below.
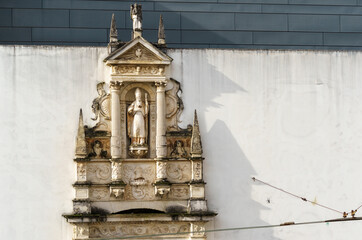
(136, 159)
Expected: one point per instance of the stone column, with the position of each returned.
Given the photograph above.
(116, 120)
(161, 147)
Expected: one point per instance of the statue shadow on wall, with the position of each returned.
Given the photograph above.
(229, 186)
(228, 174)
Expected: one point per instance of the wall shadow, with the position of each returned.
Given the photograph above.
(217, 97)
(229, 186)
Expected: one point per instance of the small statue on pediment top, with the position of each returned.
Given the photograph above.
(136, 16)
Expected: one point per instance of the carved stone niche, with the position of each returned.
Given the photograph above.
(138, 147)
(179, 144)
(98, 147)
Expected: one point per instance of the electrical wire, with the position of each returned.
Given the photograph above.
(236, 229)
(302, 198)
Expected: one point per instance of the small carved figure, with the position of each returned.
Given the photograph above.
(97, 150)
(136, 16)
(96, 102)
(137, 120)
(178, 150)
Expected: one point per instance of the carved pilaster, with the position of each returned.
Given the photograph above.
(197, 170)
(198, 230)
(161, 146)
(81, 172)
(161, 173)
(116, 120)
(124, 137)
(116, 171)
(81, 231)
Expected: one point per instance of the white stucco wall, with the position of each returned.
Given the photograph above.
(291, 118)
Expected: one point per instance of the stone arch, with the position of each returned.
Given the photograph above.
(145, 86)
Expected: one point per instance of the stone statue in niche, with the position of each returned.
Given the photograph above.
(97, 101)
(137, 121)
(97, 150)
(136, 16)
(178, 151)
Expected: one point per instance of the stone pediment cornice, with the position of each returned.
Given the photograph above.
(138, 51)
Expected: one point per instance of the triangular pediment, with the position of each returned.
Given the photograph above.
(138, 51)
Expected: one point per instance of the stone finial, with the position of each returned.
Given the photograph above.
(81, 145)
(161, 32)
(196, 146)
(113, 35)
(136, 16)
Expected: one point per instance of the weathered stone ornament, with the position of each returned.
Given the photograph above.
(136, 159)
(196, 146)
(81, 146)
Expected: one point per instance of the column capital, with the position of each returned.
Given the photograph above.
(116, 85)
(160, 84)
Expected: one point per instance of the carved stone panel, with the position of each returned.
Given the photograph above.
(197, 191)
(139, 192)
(198, 229)
(98, 147)
(138, 173)
(81, 231)
(81, 172)
(99, 172)
(178, 171)
(112, 230)
(81, 193)
(178, 147)
(197, 170)
(138, 70)
(179, 192)
(99, 194)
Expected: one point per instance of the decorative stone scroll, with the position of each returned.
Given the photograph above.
(99, 172)
(178, 172)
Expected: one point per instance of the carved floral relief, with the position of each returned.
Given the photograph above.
(120, 230)
(99, 194)
(142, 192)
(178, 172)
(99, 172)
(138, 174)
(179, 192)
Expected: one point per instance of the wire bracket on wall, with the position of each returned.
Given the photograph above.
(344, 214)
